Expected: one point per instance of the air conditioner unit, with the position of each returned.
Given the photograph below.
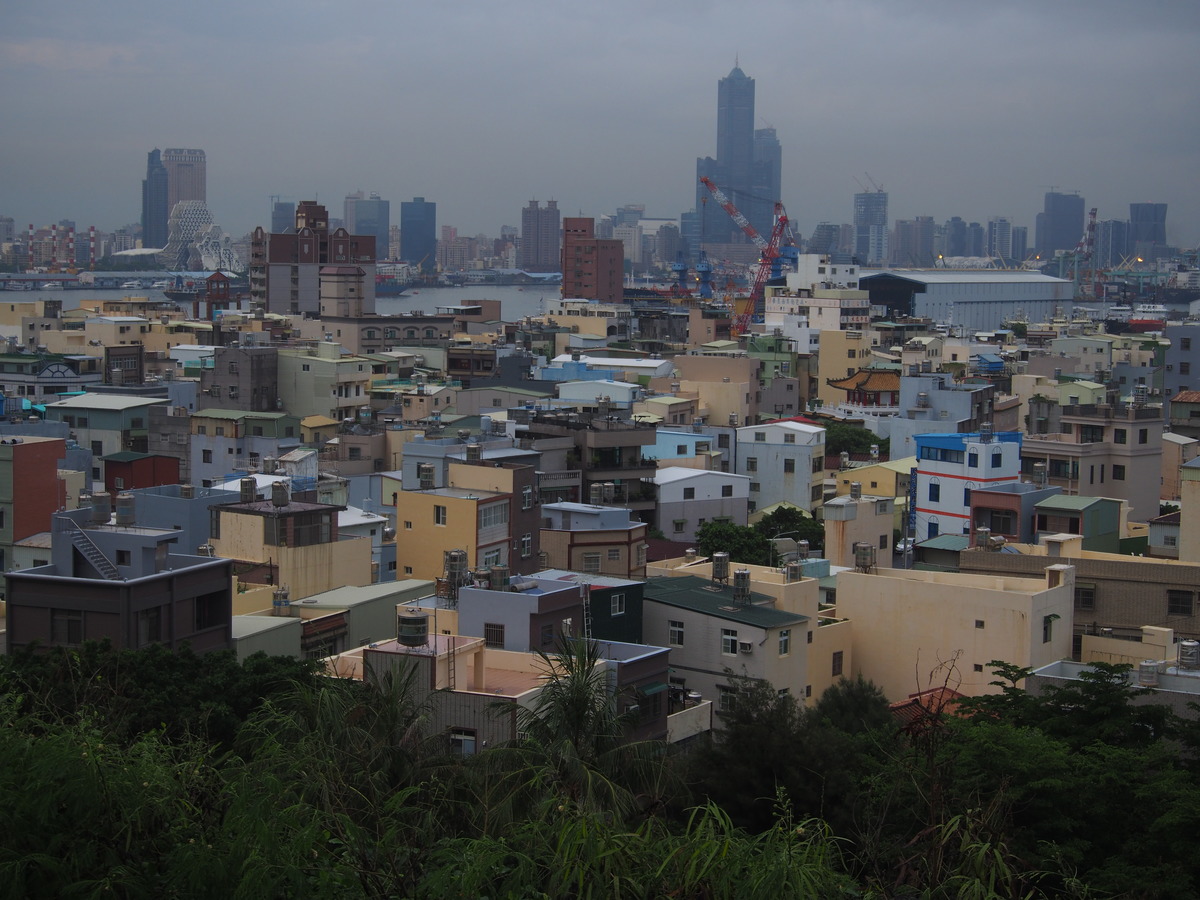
(633, 709)
(745, 647)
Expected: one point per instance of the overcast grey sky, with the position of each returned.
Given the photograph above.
(956, 108)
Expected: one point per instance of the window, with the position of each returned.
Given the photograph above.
(760, 436)
(547, 634)
(206, 456)
(124, 557)
(979, 623)
(678, 525)
(66, 626)
(997, 459)
(591, 562)
(1185, 343)
(789, 467)
(727, 490)
(462, 741)
(439, 515)
(1118, 472)
(1143, 435)
(220, 431)
(755, 487)
(837, 663)
(407, 525)
(973, 460)
(785, 641)
(752, 464)
(1119, 435)
(614, 554)
(729, 641)
(617, 605)
(681, 449)
(149, 626)
(689, 493)
(723, 441)
(935, 492)
(1085, 597)
(527, 545)
(1179, 603)
(726, 698)
(493, 635)
(1048, 628)
(789, 438)
(674, 633)
(809, 639)
(493, 515)
(1185, 368)
(527, 497)
(212, 609)
(966, 496)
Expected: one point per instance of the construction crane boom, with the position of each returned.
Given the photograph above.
(734, 213)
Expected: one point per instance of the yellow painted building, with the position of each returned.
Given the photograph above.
(289, 543)
(913, 630)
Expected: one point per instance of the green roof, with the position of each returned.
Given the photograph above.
(1067, 501)
(237, 414)
(126, 456)
(703, 596)
(946, 542)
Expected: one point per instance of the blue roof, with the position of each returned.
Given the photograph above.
(956, 441)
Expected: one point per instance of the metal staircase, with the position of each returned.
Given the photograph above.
(93, 554)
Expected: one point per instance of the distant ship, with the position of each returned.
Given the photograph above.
(387, 285)
(1148, 317)
(133, 285)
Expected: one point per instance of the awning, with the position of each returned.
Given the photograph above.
(654, 687)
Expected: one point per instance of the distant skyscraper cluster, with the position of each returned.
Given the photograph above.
(748, 167)
(173, 176)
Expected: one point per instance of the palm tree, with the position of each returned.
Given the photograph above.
(574, 748)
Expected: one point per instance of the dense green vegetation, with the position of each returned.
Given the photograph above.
(150, 774)
(752, 544)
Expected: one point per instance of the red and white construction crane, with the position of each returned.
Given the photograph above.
(769, 255)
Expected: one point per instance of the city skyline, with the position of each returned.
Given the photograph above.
(973, 114)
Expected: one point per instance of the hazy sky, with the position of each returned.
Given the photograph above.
(955, 108)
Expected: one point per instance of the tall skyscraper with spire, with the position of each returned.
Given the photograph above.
(748, 167)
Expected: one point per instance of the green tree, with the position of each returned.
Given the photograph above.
(851, 439)
(794, 523)
(742, 543)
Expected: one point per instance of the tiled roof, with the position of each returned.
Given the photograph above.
(868, 380)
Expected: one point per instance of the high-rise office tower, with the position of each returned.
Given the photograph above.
(186, 176)
(283, 216)
(1020, 243)
(539, 237)
(976, 240)
(418, 233)
(748, 166)
(914, 242)
(1060, 224)
(369, 215)
(870, 228)
(999, 237)
(1148, 224)
(955, 237)
(1112, 243)
(155, 212)
(824, 239)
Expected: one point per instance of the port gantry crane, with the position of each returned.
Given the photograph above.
(770, 262)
